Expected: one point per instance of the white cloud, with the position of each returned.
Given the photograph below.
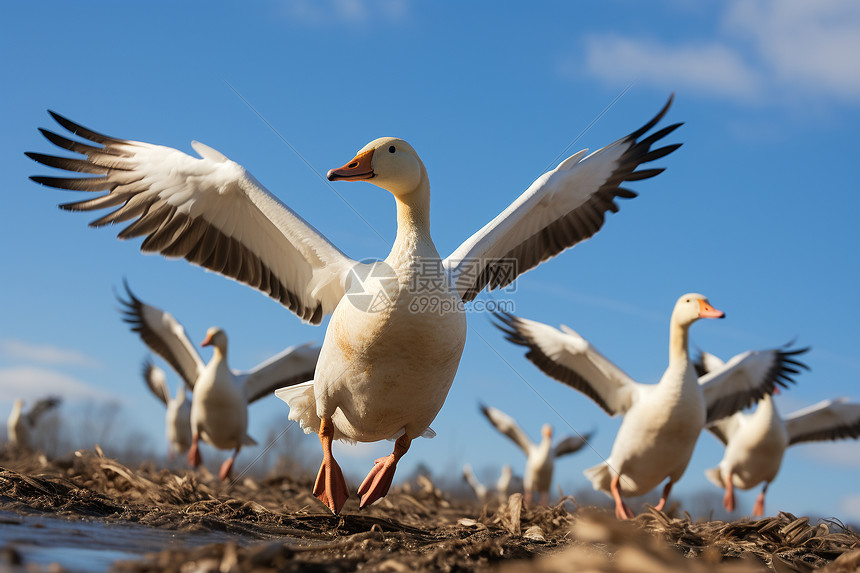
(44, 354)
(29, 383)
(707, 68)
(765, 50)
(841, 453)
(318, 13)
(849, 507)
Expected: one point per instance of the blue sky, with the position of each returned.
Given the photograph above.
(756, 210)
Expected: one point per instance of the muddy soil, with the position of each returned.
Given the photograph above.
(275, 524)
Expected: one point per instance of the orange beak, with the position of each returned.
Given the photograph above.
(358, 169)
(707, 311)
(207, 341)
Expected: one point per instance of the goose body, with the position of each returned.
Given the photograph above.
(385, 366)
(756, 441)
(661, 421)
(20, 425)
(177, 418)
(540, 457)
(218, 412)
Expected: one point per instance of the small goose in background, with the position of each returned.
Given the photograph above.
(661, 421)
(481, 491)
(540, 458)
(219, 395)
(756, 441)
(177, 419)
(20, 425)
(384, 371)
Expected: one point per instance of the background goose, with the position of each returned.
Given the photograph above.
(661, 421)
(177, 419)
(219, 395)
(481, 491)
(20, 425)
(384, 371)
(756, 441)
(540, 458)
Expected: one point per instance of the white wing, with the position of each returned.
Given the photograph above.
(827, 420)
(156, 381)
(292, 366)
(508, 426)
(747, 377)
(706, 362)
(163, 335)
(572, 360)
(560, 209)
(209, 210)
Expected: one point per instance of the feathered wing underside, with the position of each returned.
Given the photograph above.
(828, 420)
(40, 408)
(746, 378)
(292, 366)
(156, 381)
(208, 210)
(560, 209)
(164, 335)
(571, 444)
(706, 362)
(572, 360)
(724, 428)
(508, 426)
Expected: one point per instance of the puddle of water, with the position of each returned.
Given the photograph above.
(88, 546)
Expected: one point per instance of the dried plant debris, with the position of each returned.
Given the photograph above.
(275, 524)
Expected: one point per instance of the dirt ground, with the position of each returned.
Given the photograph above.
(279, 526)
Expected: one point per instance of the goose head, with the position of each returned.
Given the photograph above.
(691, 307)
(546, 433)
(389, 163)
(217, 338)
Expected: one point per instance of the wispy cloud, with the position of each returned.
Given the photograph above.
(843, 454)
(318, 13)
(29, 383)
(850, 507)
(44, 354)
(759, 50)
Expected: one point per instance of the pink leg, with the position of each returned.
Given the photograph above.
(378, 481)
(227, 466)
(664, 497)
(527, 496)
(621, 509)
(758, 508)
(729, 498)
(330, 486)
(194, 452)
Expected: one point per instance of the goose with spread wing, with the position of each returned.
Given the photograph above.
(482, 492)
(219, 394)
(398, 326)
(177, 419)
(661, 421)
(540, 458)
(20, 425)
(756, 441)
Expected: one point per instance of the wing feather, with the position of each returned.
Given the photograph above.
(560, 209)
(747, 377)
(156, 381)
(572, 360)
(508, 426)
(828, 420)
(292, 366)
(208, 210)
(572, 444)
(164, 335)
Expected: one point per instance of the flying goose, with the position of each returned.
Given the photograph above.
(20, 425)
(177, 420)
(219, 394)
(661, 421)
(756, 441)
(387, 360)
(540, 458)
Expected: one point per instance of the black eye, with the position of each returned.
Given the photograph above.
(391, 149)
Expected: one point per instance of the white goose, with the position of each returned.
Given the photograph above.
(20, 425)
(481, 491)
(756, 441)
(177, 419)
(219, 395)
(661, 421)
(540, 458)
(385, 369)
